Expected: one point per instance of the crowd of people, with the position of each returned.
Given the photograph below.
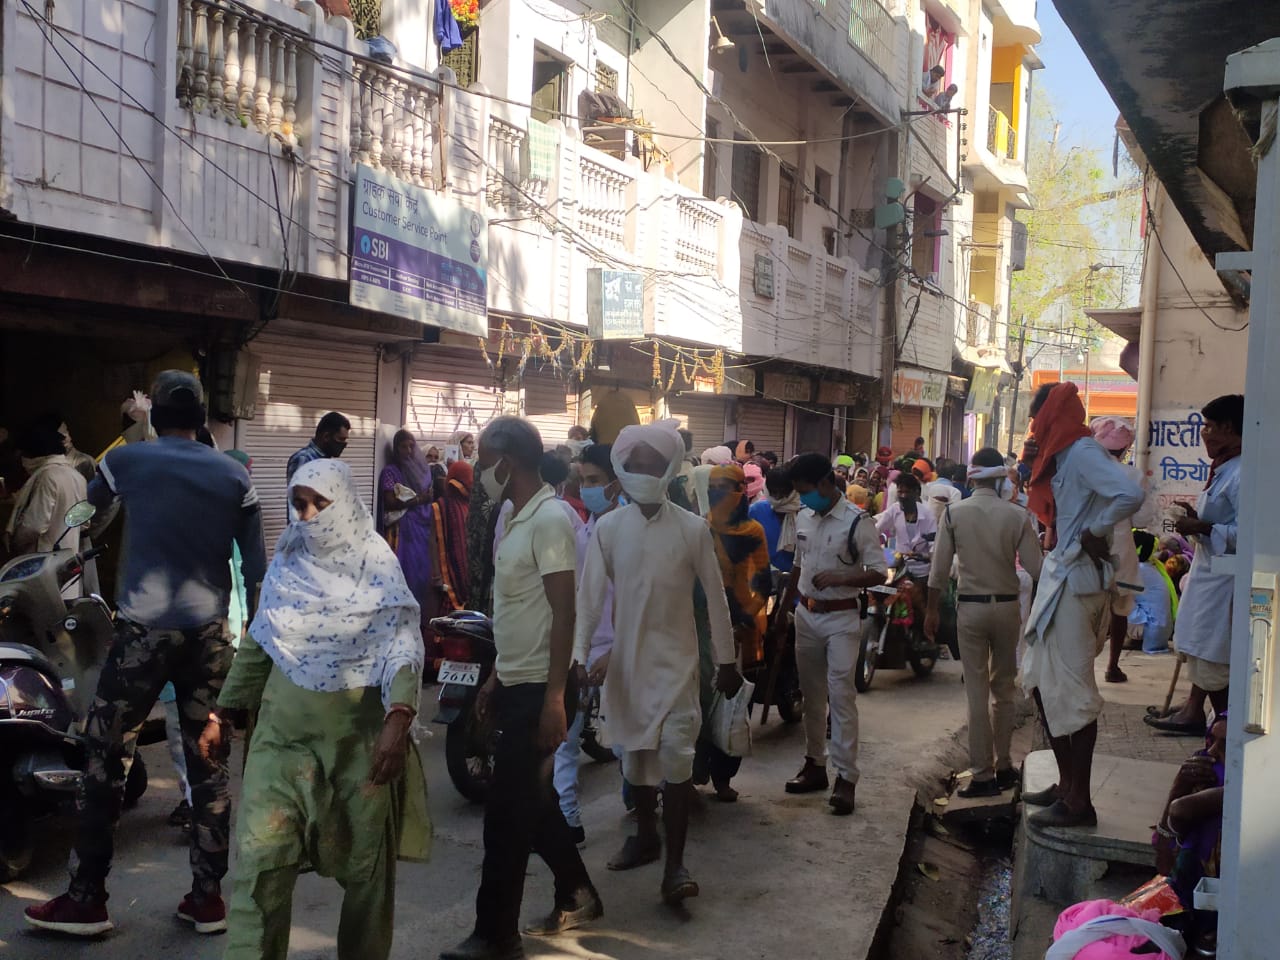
(561, 544)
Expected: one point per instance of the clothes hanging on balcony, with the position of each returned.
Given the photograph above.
(448, 36)
(541, 144)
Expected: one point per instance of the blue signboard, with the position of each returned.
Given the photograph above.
(418, 255)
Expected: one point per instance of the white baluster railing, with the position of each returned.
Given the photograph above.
(697, 239)
(240, 66)
(394, 122)
(505, 184)
(602, 203)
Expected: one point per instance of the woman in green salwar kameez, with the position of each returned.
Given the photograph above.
(333, 662)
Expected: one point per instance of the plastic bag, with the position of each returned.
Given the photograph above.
(729, 727)
(1102, 930)
(1155, 894)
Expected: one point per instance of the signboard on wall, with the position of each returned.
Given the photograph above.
(838, 393)
(919, 388)
(787, 386)
(417, 255)
(762, 280)
(615, 304)
(1178, 467)
(982, 391)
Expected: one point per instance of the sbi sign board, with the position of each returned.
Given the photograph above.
(418, 255)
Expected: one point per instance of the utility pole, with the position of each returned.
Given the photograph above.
(889, 345)
(1017, 381)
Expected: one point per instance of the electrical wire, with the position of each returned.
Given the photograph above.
(1155, 232)
(129, 150)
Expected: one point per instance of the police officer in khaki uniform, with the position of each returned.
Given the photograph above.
(988, 534)
(838, 555)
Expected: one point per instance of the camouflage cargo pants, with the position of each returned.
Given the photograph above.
(141, 661)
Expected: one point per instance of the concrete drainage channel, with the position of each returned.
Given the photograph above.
(950, 900)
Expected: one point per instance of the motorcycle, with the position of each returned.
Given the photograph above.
(772, 668)
(893, 633)
(467, 647)
(52, 649)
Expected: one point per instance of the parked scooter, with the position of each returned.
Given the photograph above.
(466, 642)
(893, 634)
(51, 652)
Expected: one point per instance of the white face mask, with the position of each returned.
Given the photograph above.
(494, 488)
(643, 488)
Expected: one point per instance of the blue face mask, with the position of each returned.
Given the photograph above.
(596, 500)
(815, 501)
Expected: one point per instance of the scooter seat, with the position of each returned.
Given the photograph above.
(22, 653)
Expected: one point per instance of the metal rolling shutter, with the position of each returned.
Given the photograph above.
(550, 406)
(703, 416)
(300, 380)
(451, 389)
(907, 423)
(763, 423)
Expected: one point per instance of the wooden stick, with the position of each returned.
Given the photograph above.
(1168, 697)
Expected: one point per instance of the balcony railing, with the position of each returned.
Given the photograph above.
(871, 30)
(252, 117)
(1002, 137)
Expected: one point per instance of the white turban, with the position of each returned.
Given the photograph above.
(664, 438)
(720, 456)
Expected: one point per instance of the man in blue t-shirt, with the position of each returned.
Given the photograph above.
(185, 504)
(777, 514)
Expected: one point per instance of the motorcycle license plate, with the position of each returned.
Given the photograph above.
(456, 671)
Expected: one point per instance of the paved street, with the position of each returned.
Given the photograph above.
(780, 877)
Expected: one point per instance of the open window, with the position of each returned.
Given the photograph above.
(746, 177)
(926, 237)
(787, 198)
(550, 84)
(936, 78)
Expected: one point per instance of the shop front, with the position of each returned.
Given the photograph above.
(918, 397)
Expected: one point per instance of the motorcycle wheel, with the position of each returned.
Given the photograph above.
(594, 749)
(865, 669)
(136, 785)
(789, 697)
(17, 841)
(923, 659)
(468, 754)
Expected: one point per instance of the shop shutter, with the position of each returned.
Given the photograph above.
(550, 406)
(907, 424)
(763, 423)
(703, 416)
(300, 380)
(450, 389)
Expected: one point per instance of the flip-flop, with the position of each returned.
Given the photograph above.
(1170, 726)
(635, 854)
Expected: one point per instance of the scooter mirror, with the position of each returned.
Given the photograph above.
(80, 514)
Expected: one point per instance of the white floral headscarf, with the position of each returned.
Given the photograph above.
(336, 613)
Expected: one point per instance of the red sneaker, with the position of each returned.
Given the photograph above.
(64, 915)
(208, 915)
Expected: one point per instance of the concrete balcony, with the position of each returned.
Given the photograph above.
(1014, 21)
(800, 304)
(996, 149)
(232, 128)
(857, 46)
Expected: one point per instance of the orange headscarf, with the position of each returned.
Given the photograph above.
(1058, 424)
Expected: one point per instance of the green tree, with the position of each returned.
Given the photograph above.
(1082, 219)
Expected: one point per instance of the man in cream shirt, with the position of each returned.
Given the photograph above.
(533, 616)
(653, 551)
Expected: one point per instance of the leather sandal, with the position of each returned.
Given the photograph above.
(678, 886)
(635, 853)
(1043, 798)
(1165, 725)
(1060, 815)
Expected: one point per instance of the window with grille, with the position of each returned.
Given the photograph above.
(746, 178)
(606, 78)
(787, 198)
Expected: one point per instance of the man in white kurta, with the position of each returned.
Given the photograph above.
(1090, 493)
(1202, 632)
(652, 552)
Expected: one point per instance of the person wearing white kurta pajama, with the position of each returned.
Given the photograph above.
(652, 552)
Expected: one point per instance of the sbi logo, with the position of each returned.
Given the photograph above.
(365, 245)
